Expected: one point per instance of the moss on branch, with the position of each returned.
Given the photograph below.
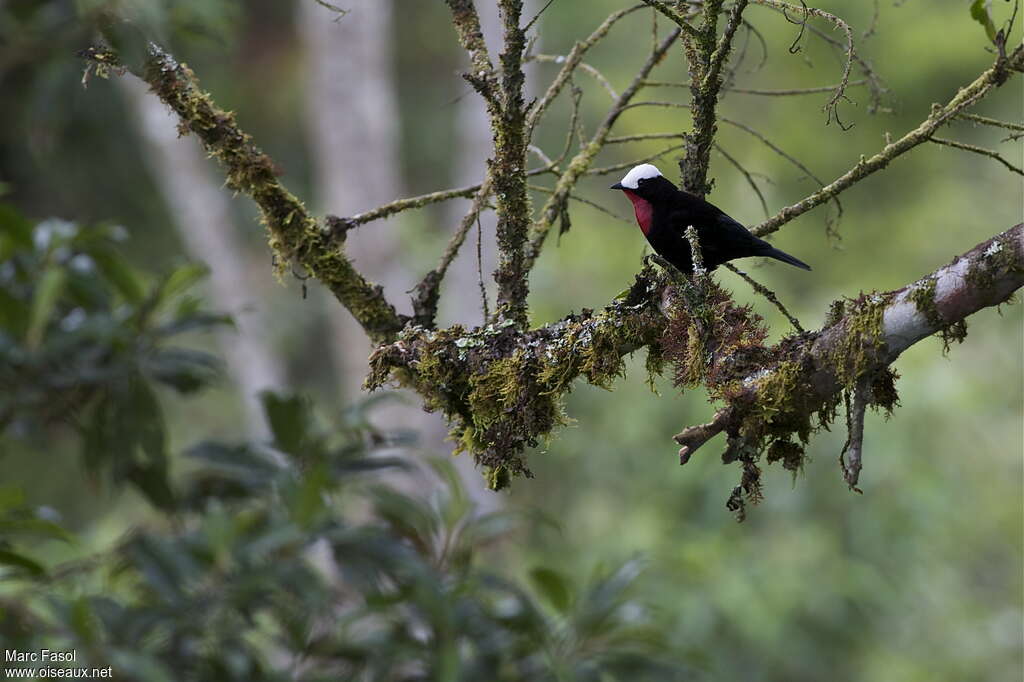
(294, 235)
(501, 388)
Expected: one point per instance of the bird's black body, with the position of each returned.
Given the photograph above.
(664, 212)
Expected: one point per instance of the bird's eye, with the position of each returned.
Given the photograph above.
(642, 180)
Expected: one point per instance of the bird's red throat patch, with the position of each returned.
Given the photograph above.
(643, 209)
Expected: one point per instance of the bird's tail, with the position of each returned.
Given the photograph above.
(772, 252)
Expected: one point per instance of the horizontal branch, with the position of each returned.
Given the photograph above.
(756, 91)
(869, 335)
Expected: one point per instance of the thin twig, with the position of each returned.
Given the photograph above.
(994, 122)
(572, 60)
(850, 458)
(966, 97)
(428, 291)
(831, 108)
(755, 91)
(977, 150)
(768, 294)
(614, 168)
(420, 201)
(580, 163)
(674, 16)
(480, 267)
(583, 66)
(583, 200)
(746, 175)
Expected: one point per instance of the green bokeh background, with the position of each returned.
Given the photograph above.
(918, 579)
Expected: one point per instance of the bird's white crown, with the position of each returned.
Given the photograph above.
(638, 173)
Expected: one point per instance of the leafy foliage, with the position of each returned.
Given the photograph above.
(281, 560)
(84, 341)
(269, 573)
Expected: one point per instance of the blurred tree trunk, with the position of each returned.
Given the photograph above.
(357, 166)
(352, 116)
(201, 210)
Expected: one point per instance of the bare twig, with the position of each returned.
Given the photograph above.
(851, 454)
(571, 61)
(674, 16)
(692, 437)
(940, 115)
(582, 66)
(831, 107)
(977, 150)
(580, 163)
(764, 93)
(768, 294)
(428, 291)
(584, 200)
(994, 122)
(616, 167)
(480, 268)
(746, 176)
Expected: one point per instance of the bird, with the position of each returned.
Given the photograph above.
(663, 212)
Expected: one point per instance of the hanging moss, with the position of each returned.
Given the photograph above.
(502, 389)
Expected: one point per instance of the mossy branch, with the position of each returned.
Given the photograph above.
(786, 393)
(508, 170)
(501, 388)
(295, 236)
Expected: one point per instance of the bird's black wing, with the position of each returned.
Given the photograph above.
(721, 237)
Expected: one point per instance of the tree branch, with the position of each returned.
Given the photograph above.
(966, 97)
(508, 171)
(294, 234)
(864, 337)
(580, 163)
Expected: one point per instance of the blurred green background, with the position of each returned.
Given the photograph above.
(918, 579)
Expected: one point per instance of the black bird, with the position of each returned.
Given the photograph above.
(663, 212)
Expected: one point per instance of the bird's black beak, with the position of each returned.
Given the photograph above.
(617, 185)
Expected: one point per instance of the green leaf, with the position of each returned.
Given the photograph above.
(47, 293)
(15, 232)
(14, 315)
(181, 280)
(13, 559)
(290, 421)
(38, 528)
(117, 271)
(980, 12)
(553, 586)
(84, 621)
